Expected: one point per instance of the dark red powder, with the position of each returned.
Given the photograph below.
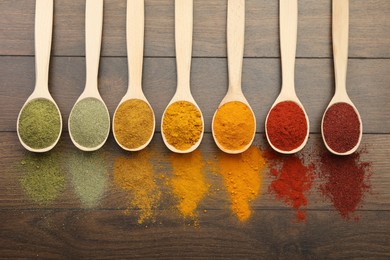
(341, 127)
(286, 126)
(292, 180)
(345, 181)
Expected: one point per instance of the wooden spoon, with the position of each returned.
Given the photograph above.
(43, 33)
(288, 18)
(93, 38)
(340, 27)
(183, 39)
(135, 49)
(235, 52)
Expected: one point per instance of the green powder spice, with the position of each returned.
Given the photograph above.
(42, 179)
(89, 173)
(39, 123)
(89, 122)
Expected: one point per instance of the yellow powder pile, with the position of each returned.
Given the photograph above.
(188, 183)
(133, 123)
(234, 125)
(242, 175)
(134, 174)
(182, 125)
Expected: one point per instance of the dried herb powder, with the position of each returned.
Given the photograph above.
(39, 123)
(133, 123)
(89, 122)
(90, 178)
(42, 178)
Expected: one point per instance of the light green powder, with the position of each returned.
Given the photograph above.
(42, 178)
(39, 123)
(89, 176)
(89, 122)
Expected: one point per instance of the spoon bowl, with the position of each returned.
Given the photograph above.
(43, 34)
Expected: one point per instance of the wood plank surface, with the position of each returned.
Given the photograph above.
(368, 83)
(369, 28)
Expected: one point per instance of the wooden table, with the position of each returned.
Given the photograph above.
(65, 229)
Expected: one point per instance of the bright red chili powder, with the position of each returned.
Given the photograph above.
(292, 180)
(345, 181)
(341, 127)
(286, 126)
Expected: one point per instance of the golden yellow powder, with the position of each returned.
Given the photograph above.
(234, 125)
(133, 123)
(188, 183)
(182, 125)
(135, 175)
(242, 175)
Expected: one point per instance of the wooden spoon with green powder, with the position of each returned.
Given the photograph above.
(133, 122)
(89, 120)
(39, 122)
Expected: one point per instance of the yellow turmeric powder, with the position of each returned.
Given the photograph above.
(135, 175)
(182, 125)
(188, 182)
(234, 125)
(242, 175)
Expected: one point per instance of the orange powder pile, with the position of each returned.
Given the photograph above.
(134, 174)
(188, 183)
(242, 175)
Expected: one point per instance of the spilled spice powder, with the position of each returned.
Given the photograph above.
(135, 175)
(345, 181)
(292, 181)
(188, 183)
(43, 179)
(243, 176)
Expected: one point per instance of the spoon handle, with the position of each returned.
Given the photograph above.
(43, 34)
(235, 42)
(340, 16)
(93, 37)
(135, 44)
(183, 40)
(288, 19)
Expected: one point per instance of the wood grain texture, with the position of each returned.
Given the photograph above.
(367, 83)
(369, 28)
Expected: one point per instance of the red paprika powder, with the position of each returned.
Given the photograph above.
(286, 126)
(341, 127)
(345, 181)
(292, 180)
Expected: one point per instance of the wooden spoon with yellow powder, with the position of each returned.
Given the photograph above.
(182, 123)
(133, 122)
(234, 123)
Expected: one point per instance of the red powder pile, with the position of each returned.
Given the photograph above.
(292, 180)
(286, 126)
(341, 127)
(345, 180)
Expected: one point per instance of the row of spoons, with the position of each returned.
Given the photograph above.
(91, 99)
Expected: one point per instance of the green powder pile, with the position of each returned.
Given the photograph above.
(39, 123)
(42, 178)
(89, 122)
(89, 176)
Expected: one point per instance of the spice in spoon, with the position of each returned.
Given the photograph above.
(286, 126)
(234, 125)
(182, 125)
(89, 122)
(133, 123)
(341, 127)
(39, 123)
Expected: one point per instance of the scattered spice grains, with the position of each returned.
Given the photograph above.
(345, 181)
(43, 179)
(292, 180)
(135, 175)
(243, 176)
(89, 173)
(188, 183)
